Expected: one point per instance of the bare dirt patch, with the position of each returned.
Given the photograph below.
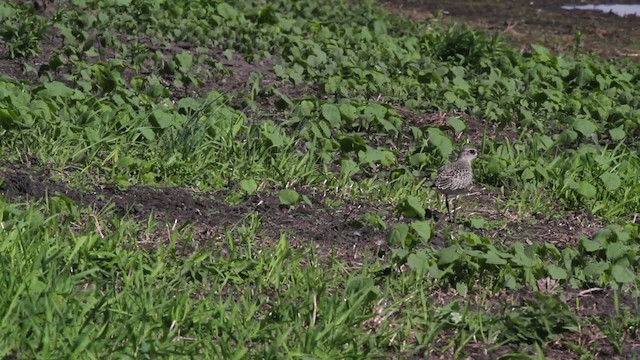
(333, 225)
(561, 231)
(525, 22)
(333, 229)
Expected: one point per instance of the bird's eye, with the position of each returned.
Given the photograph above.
(472, 151)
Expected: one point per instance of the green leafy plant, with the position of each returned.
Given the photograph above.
(217, 109)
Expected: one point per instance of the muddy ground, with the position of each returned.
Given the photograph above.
(523, 22)
(336, 230)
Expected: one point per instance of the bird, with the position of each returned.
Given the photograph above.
(454, 178)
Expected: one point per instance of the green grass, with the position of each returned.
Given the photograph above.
(330, 101)
(80, 294)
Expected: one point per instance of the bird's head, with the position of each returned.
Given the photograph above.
(468, 153)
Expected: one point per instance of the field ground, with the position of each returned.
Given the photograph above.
(185, 179)
(544, 22)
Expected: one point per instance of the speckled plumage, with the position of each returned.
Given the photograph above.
(456, 177)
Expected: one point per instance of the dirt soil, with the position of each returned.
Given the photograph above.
(526, 22)
(332, 226)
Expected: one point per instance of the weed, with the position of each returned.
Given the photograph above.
(293, 112)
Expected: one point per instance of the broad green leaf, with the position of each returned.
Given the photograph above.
(472, 238)
(149, 178)
(448, 255)
(622, 235)
(611, 181)
(7, 11)
(277, 139)
(288, 197)
(493, 258)
(305, 107)
(456, 123)
(348, 168)
(435, 272)
(92, 135)
(542, 171)
(418, 159)
(590, 245)
(387, 125)
(161, 118)
(249, 186)
(441, 141)
(544, 142)
(557, 273)
(418, 262)
(616, 250)
(348, 111)
(226, 11)
(478, 223)
(371, 156)
(520, 257)
(584, 126)
(374, 220)
(326, 131)
(375, 110)
(586, 189)
(411, 207)
(596, 269)
(617, 134)
(451, 97)
(264, 16)
(56, 89)
(315, 60)
(510, 281)
(7, 117)
(568, 136)
(527, 174)
(66, 33)
(185, 60)
(604, 236)
(125, 161)
(622, 274)
(422, 228)
(397, 234)
(352, 143)
(462, 288)
(278, 70)
(332, 114)
(399, 253)
(541, 52)
(388, 159)
(36, 286)
(147, 133)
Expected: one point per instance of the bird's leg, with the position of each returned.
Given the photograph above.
(446, 201)
(454, 203)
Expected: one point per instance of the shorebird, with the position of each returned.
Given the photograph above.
(454, 178)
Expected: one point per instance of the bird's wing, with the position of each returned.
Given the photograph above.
(445, 174)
